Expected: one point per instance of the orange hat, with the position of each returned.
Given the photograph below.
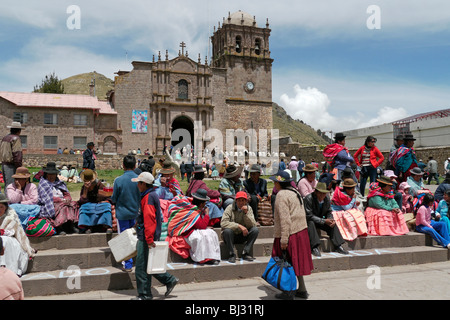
(241, 194)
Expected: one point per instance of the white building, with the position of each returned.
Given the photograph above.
(431, 129)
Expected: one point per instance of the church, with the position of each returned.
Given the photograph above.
(231, 91)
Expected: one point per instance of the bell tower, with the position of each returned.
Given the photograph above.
(242, 48)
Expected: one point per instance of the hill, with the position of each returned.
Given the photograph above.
(79, 84)
(297, 129)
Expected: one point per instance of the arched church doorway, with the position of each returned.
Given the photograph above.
(182, 137)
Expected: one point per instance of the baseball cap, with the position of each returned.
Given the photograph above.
(145, 176)
(241, 194)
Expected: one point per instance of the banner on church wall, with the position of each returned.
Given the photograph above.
(139, 121)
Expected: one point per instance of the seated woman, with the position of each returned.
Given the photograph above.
(424, 224)
(415, 181)
(349, 219)
(166, 185)
(56, 203)
(18, 249)
(308, 182)
(215, 201)
(202, 239)
(442, 209)
(23, 196)
(383, 215)
(95, 208)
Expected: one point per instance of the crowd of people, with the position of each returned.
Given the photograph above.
(304, 201)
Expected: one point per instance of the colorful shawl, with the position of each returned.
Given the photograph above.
(340, 198)
(398, 153)
(182, 216)
(45, 193)
(375, 190)
(331, 151)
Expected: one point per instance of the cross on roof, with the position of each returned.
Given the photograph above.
(182, 45)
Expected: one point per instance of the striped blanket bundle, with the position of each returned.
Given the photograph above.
(182, 216)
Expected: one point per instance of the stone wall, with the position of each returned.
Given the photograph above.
(103, 162)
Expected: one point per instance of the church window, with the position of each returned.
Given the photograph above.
(238, 44)
(258, 46)
(182, 89)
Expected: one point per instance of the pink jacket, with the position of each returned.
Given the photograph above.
(28, 196)
(423, 217)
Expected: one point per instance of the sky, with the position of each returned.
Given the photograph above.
(338, 65)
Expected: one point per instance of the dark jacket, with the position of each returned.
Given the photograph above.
(88, 159)
(256, 189)
(314, 212)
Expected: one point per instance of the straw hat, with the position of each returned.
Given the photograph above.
(309, 168)
(88, 175)
(15, 125)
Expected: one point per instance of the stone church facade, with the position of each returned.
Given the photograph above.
(232, 91)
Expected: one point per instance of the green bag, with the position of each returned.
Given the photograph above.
(38, 227)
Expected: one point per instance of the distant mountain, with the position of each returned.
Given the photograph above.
(297, 129)
(79, 84)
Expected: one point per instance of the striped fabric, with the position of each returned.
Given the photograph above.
(39, 228)
(182, 216)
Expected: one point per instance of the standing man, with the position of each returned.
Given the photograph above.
(148, 229)
(432, 168)
(126, 197)
(89, 157)
(11, 152)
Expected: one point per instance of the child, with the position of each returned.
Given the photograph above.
(437, 230)
(442, 209)
(148, 231)
(407, 199)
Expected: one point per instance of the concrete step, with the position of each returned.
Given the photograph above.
(111, 278)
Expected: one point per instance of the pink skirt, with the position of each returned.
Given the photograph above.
(298, 252)
(351, 223)
(385, 223)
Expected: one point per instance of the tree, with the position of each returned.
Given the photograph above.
(51, 84)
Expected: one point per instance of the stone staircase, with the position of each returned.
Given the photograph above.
(82, 263)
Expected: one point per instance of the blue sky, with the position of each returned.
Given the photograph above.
(330, 70)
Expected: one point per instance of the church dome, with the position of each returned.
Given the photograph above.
(237, 17)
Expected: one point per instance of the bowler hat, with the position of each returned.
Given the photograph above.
(409, 137)
(339, 136)
(50, 168)
(399, 137)
(198, 168)
(201, 194)
(417, 171)
(349, 183)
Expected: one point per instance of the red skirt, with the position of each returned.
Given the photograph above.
(298, 252)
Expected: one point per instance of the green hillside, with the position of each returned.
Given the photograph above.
(79, 84)
(297, 129)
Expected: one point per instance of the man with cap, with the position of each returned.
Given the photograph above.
(230, 184)
(404, 158)
(11, 152)
(256, 188)
(148, 227)
(320, 216)
(89, 157)
(239, 226)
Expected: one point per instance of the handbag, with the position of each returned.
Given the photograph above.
(280, 274)
(39, 227)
